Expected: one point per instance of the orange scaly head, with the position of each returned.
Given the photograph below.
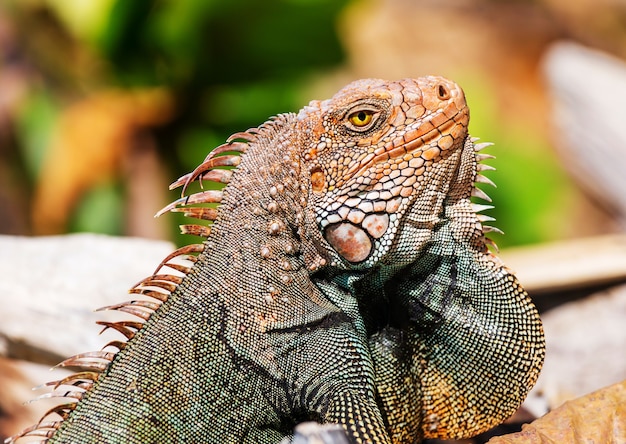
(378, 151)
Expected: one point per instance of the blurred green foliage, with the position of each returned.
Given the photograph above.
(229, 65)
(532, 191)
(34, 126)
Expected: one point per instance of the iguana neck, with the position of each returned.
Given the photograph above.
(257, 243)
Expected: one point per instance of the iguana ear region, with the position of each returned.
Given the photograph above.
(354, 240)
(318, 180)
(351, 242)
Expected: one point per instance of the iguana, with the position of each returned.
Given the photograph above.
(344, 278)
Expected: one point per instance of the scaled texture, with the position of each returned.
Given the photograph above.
(344, 278)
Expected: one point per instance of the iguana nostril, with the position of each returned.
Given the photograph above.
(442, 92)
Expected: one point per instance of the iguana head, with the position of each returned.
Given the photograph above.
(385, 160)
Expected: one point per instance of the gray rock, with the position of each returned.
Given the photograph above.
(588, 90)
(313, 433)
(585, 344)
(51, 286)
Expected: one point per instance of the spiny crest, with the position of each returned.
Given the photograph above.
(480, 194)
(153, 291)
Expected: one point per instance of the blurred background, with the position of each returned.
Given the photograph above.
(103, 103)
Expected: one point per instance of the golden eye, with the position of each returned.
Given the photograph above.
(361, 118)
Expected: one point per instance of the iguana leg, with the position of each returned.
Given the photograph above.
(359, 414)
(332, 376)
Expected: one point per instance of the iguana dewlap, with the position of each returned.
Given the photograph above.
(344, 278)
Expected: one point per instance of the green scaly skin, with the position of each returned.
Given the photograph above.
(345, 279)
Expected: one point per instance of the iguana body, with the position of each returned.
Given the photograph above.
(345, 279)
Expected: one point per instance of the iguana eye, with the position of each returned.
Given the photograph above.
(361, 119)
